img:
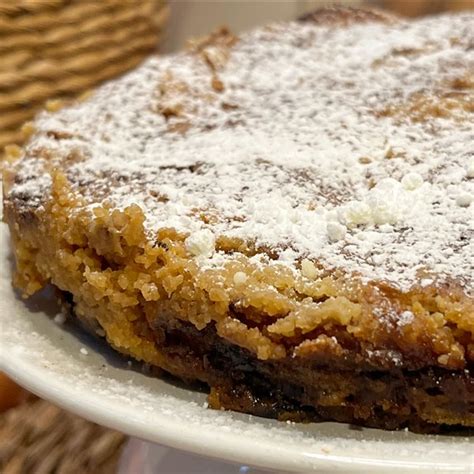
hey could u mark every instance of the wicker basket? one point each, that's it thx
(37, 437)
(58, 48)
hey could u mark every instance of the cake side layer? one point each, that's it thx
(430, 400)
(116, 274)
(315, 389)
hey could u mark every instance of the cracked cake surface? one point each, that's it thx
(286, 216)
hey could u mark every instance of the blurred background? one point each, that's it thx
(197, 18)
(51, 50)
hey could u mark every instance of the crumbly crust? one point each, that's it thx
(171, 279)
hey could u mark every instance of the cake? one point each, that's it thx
(285, 216)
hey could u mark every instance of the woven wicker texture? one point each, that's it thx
(57, 48)
(37, 437)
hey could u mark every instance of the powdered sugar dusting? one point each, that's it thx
(293, 152)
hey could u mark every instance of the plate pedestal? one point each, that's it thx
(149, 458)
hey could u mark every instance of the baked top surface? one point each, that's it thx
(350, 146)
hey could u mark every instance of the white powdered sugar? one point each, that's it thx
(412, 181)
(336, 231)
(388, 202)
(201, 243)
(406, 318)
(293, 153)
(464, 199)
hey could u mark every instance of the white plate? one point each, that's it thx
(47, 359)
